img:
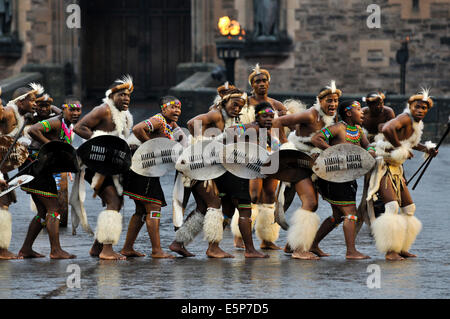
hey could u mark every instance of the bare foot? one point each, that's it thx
(7, 255)
(238, 242)
(255, 254)
(109, 254)
(180, 249)
(61, 254)
(356, 255)
(394, 256)
(161, 254)
(131, 253)
(407, 254)
(287, 249)
(217, 252)
(96, 249)
(269, 246)
(25, 254)
(317, 251)
(304, 255)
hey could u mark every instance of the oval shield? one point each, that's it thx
(17, 182)
(16, 158)
(245, 160)
(106, 155)
(202, 161)
(293, 165)
(156, 157)
(343, 163)
(57, 157)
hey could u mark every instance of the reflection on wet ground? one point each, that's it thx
(276, 277)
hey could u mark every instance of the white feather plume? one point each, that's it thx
(227, 85)
(333, 86)
(257, 69)
(426, 94)
(126, 79)
(37, 87)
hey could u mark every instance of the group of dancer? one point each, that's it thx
(248, 203)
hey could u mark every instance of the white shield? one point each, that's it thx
(202, 161)
(343, 163)
(156, 157)
(17, 182)
(245, 160)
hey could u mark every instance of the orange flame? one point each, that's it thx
(229, 27)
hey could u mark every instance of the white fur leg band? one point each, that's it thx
(266, 228)
(109, 227)
(213, 225)
(389, 229)
(413, 226)
(190, 228)
(303, 229)
(5, 229)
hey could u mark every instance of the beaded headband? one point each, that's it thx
(354, 104)
(72, 106)
(266, 111)
(177, 103)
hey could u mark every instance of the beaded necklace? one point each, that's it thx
(168, 130)
(353, 133)
(66, 132)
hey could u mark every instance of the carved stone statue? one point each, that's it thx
(266, 20)
(5, 17)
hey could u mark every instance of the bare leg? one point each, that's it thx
(136, 223)
(327, 226)
(34, 229)
(349, 234)
(245, 227)
(153, 232)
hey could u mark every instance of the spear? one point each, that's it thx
(430, 158)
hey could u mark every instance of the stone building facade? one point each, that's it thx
(330, 39)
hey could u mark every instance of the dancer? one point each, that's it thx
(110, 118)
(342, 196)
(305, 221)
(43, 188)
(395, 232)
(12, 120)
(146, 192)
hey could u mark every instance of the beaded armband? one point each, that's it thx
(46, 125)
(327, 134)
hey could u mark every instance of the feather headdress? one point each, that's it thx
(423, 95)
(36, 89)
(373, 96)
(45, 98)
(332, 89)
(126, 82)
(257, 71)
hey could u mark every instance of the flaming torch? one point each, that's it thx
(230, 44)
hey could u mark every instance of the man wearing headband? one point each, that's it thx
(342, 196)
(209, 215)
(262, 191)
(147, 192)
(110, 118)
(45, 109)
(305, 221)
(259, 81)
(375, 114)
(12, 119)
(396, 230)
(43, 188)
